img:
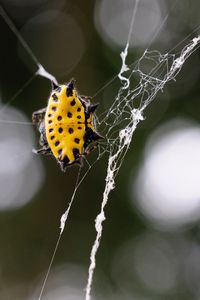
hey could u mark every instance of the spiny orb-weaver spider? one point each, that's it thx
(66, 125)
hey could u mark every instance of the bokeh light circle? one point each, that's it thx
(56, 39)
(21, 172)
(113, 19)
(168, 182)
(67, 282)
(146, 262)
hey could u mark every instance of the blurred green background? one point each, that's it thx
(150, 246)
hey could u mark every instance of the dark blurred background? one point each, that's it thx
(150, 246)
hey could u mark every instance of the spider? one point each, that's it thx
(66, 125)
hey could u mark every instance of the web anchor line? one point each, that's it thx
(40, 71)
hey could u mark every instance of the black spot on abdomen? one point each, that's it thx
(69, 114)
(70, 130)
(77, 141)
(73, 102)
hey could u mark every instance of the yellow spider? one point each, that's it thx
(66, 125)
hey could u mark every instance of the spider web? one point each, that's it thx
(138, 88)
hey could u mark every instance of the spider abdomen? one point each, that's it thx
(65, 125)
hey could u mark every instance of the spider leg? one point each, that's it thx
(89, 149)
(64, 164)
(86, 98)
(77, 157)
(43, 138)
(44, 150)
(38, 116)
(91, 137)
